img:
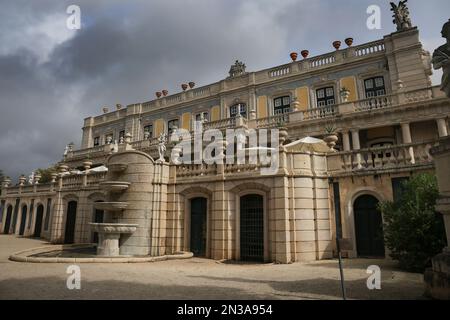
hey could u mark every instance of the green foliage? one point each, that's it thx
(413, 231)
(46, 174)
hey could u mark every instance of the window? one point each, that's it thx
(398, 187)
(282, 105)
(238, 108)
(205, 115)
(96, 141)
(148, 131)
(325, 97)
(374, 87)
(172, 125)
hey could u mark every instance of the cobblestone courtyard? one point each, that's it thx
(198, 279)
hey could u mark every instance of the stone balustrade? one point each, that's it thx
(313, 114)
(407, 156)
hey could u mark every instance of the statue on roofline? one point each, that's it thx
(401, 15)
(441, 59)
(237, 69)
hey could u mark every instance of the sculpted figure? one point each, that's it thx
(441, 59)
(401, 15)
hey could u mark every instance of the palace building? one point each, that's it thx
(374, 101)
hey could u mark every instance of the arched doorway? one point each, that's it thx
(69, 236)
(38, 224)
(198, 226)
(252, 227)
(8, 219)
(23, 219)
(368, 227)
(98, 218)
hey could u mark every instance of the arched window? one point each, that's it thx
(239, 108)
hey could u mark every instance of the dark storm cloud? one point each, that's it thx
(51, 78)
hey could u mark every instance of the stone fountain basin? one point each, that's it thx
(115, 186)
(117, 167)
(113, 227)
(110, 206)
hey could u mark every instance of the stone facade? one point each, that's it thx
(387, 122)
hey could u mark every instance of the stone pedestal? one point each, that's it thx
(437, 279)
(109, 236)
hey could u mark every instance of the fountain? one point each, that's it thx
(109, 233)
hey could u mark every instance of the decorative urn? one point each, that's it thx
(337, 44)
(191, 84)
(349, 42)
(331, 140)
(304, 53)
(294, 56)
(165, 93)
(158, 94)
(184, 86)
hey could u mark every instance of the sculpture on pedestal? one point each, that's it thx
(31, 178)
(441, 59)
(162, 146)
(237, 69)
(401, 15)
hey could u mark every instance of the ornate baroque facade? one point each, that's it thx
(377, 96)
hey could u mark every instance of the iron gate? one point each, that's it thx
(252, 227)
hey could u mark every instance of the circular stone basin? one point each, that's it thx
(115, 186)
(117, 167)
(110, 206)
(113, 227)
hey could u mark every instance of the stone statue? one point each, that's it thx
(237, 69)
(31, 178)
(66, 151)
(401, 15)
(162, 146)
(441, 59)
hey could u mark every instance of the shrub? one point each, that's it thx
(413, 231)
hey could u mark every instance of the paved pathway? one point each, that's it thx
(198, 279)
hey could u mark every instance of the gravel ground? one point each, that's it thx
(199, 279)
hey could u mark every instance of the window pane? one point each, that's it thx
(379, 82)
(321, 93)
(286, 101)
(369, 84)
(277, 102)
(330, 92)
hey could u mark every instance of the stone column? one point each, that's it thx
(346, 141)
(356, 146)
(442, 127)
(346, 145)
(87, 139)
(406, 136)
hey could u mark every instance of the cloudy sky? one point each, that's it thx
(51, 77)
